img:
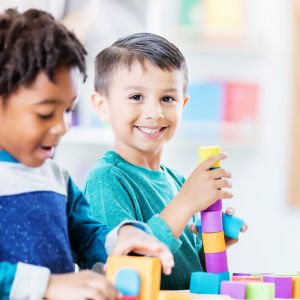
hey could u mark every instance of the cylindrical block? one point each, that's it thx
(213, 242)
(216, 262)
(206, 152)
(212, 221)
(216, 206)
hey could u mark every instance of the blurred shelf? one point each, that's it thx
(190, 134)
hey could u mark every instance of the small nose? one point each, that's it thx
(153, 110)
(62, 125)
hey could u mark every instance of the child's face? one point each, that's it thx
(143, 106)
(37, 116)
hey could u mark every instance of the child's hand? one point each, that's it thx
(132, 239)
(204, 187)
(80, 286)
(228, 241)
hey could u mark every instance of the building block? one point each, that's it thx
(207, 283)
(206, 152)
(246, 278)
(260, 290)
(211, 221)
(213, 242)
(241, 274)
(148, 268)
(129, 298)
(232, 225)
(173, 295)
(216, 262)
(216, 206)
(128, 282)
(283, 285)
(236, 290)
(296, 287)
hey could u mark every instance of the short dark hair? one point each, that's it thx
(33, 41)
(137, 47)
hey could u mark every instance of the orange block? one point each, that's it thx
(213, 242)
(173, 295)
(247, 278)
(296, 287)
(148, 268)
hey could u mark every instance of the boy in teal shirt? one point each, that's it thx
(45, 221)
(140, 89)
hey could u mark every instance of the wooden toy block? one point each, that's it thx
(213, 242)
(232, 225)
(246, 278)
(260, 290)
(128, 282)
(283, 285)
(207, 283)
(211, 221)
(206, 152)
(236, 290)
(216, 262)
(296, 287)
(173, 295)
(148, 268)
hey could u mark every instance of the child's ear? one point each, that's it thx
(185, 101)
(100, 104)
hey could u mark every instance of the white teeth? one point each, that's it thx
(148, 130)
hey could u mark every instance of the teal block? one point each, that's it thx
(207, 283)
(128, 282)
(232, 226)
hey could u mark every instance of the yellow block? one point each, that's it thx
(148, 268)
(206, 152)
(296, 287)
(213, 242)
(173, 295)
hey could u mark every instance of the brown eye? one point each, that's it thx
(168, 99)
(136, 97)
(45, 116)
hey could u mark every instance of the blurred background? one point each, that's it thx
(243, 60)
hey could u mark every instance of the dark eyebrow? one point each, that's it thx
(54, 101)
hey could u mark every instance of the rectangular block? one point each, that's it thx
(260, 290)
(207, 283)
(246, 278)
(296, 287)
(213, 242)
(216, 206)
(216, 262)
(148, 268)
(206, 152)
(211, 221)
(283, 285)
(232, 225)
(236, 290)
(173, 295)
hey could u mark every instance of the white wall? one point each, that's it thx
(260, 173)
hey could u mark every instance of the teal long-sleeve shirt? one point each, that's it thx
(118, 190)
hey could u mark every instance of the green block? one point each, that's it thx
(260, 290)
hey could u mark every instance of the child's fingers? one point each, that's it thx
(208, 163)
(219, 173)
(223, 195)
(244, 227)
(193, 229)
(222, 183)
(230, 211)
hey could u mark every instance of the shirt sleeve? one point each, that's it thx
(111, 202)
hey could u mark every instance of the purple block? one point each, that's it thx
(216, 206)
(241, 274)
(236, 290)
(216, 262)
(283, 285)
(211, 221)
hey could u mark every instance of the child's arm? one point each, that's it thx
(90, 240)
(201, 189)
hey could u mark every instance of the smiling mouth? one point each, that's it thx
(153, 130)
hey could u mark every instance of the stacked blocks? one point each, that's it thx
(212, 226)
(148, 269)
(283, 285)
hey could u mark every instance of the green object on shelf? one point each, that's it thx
(187, 16)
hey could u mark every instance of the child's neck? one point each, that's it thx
(148, 160)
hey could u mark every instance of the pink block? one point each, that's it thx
(211, 221)
(283, 285)
(216, 206)
(236, 290)
(216, 262)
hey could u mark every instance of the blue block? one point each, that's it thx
(206, 102)
(128, 282)
(232, 226)
(199, 227)
(207, 283)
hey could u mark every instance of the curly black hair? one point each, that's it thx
(33, 41)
